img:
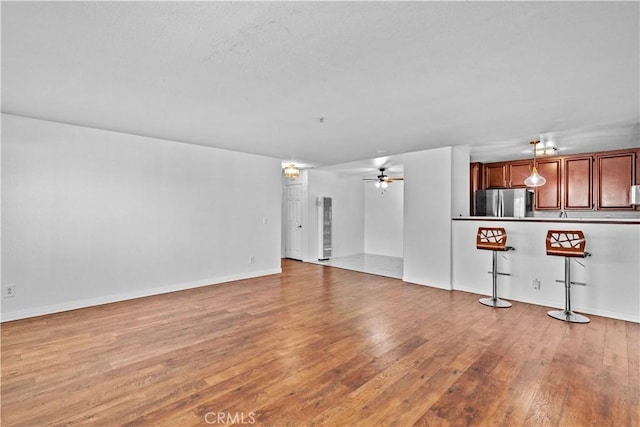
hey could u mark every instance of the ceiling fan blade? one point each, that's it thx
(395, 179)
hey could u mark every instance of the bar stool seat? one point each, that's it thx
(494, 239)
(568, 244)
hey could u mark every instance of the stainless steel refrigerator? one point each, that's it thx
(516, 202)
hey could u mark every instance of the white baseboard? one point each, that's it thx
(558, 305)
(107, 299)
(416, 281)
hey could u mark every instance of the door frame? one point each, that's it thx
(300, 180)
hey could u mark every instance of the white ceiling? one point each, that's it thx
(331, 83)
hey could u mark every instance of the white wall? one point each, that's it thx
(383, 219)
(460, 182)
(430, 200)
(90, 216)
(348, 213)
(612, 273)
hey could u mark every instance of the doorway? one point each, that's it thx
(293, 222)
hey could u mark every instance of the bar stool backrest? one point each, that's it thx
(491, 238)
(566, 243)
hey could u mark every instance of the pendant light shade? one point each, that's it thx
(535, 179)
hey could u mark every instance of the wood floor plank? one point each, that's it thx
(322, 346)
(633, 349)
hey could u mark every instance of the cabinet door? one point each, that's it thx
(548, 196)
(495, 175)
(518, 172)
(475, 183)
(578, 183)
(615, 175)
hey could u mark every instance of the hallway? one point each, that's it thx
(368, 263)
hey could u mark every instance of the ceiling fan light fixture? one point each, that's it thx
(535, 179)
(382, 181)
(291, 171)
(381, 184)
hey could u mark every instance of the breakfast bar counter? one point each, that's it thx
(611, 274)
(578, 220)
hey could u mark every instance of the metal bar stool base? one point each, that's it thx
(495, 302)
(568, 316)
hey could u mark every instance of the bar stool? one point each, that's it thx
(569, 244)
(494, 239)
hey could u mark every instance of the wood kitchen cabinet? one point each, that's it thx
(578, 183)
(589, 181)
(495, 175)
(616, 173)
(518, 172)
(548, 197)
(507, 174)
(475, 183)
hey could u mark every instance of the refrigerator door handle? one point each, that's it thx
(494, 205)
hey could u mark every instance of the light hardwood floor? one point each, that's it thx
(318, 346)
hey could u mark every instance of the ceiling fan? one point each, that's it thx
(382, 180)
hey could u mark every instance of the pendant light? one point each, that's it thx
(535, 179)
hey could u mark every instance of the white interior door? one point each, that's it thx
(293, 244)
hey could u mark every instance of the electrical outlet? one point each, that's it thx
(536, 284)
(252, 259)
(9, 291)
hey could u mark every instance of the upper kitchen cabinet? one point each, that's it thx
(590, 181)
(495, 175)
(518, 172)
(578, 183)
(506, 174)
(615, 174)
(548, 197)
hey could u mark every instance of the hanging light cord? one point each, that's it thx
(535, 179)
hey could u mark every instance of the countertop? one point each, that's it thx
(551, 220)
